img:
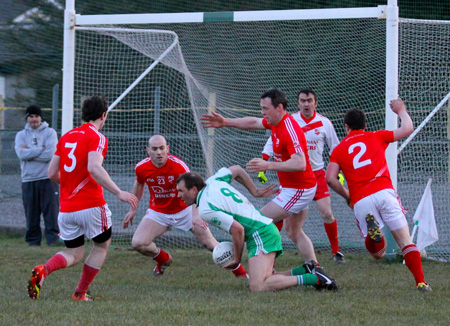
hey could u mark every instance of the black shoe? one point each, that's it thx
(373, 228)
(325, 282)
(309, 266)
(424, 287)
(338, 258)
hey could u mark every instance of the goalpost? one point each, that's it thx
(162, 71)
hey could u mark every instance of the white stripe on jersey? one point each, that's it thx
(145, 160)
(101, 144)
(293, 134)
(177, 160)
(79, 187)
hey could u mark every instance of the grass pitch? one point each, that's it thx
(194, 291)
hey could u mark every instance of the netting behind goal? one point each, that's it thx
(226, 66)
(424, 71)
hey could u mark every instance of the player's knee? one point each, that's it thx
(378, 255)
(293, 233)
(257, 287)
(138, 245)
(327, 216)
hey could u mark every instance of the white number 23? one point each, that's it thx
(357, 163)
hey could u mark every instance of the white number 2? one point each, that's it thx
(71, 156)
(356, 160)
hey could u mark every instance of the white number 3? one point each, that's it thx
(71, 156)
(356, 160)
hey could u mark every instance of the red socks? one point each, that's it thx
(161, 257)
(87, 277)
(279, 225)
(58, 261)
(412, 260)
(239, 271)
(332, 232)
(377, 250)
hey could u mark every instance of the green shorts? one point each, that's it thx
(266, 239)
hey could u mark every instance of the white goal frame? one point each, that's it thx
(389, 13)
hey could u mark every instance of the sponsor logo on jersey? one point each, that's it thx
(216, 221)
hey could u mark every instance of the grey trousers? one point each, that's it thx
(41, 196)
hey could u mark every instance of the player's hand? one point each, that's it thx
(262, 177)
(197, 221)
(213, 120)
(257, 165)
(341, 178)
(266, 191)
(128, 198)
(397, 105)
(349, 203)
(128, 220)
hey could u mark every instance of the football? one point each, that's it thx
(223, 253)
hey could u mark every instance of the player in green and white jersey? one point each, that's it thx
(221, 204)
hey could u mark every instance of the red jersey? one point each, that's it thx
(361, 157)
(78, 189)
(288, 139)
(162, 183)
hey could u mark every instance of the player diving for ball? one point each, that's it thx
(221, 204)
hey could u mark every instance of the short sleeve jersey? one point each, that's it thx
(78, 190)
(219, 203)
(318, 131)
(288, 139)
(162, 183)
(361, 157)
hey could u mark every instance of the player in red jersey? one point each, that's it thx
(318, 131)
(291, 161)
(160, 171)
(77, 167)
(361, 157)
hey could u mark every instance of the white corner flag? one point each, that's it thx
(424, 220)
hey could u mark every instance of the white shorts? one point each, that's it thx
(181, 220)
(90, 222)
(386, 208)
(294, 200)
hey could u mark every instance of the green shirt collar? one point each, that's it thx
(197, 201)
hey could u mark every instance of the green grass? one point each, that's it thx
(194, 291)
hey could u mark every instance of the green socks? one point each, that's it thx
(307, 279)
(299, 270)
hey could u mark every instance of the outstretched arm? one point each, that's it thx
(95, 168)
(138, 191)
(406, 124)
(297, 162)
(216, 120)
(243, 178)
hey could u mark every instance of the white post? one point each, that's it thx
(391, 82)
(68, 67)
(391, 93)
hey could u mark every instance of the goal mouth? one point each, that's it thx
(225, 65)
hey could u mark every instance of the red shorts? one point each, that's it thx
(322, 186)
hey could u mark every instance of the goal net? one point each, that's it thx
(225, 66)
